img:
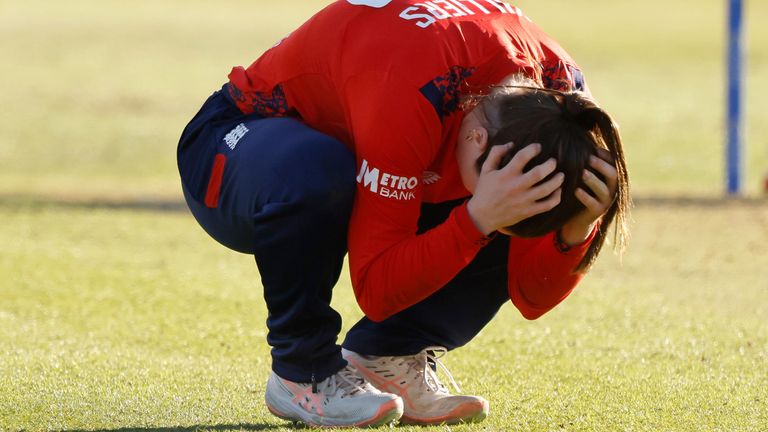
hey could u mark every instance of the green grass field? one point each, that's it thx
(119, 316)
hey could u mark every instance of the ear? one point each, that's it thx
(479, 138)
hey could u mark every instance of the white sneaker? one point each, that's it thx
(426, 399)
(342, 400)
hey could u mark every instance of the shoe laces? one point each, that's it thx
(422, 362)
(348, 380)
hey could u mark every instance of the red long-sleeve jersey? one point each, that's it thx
(387, 79)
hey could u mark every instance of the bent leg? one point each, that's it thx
(301, 229)
(284, 195)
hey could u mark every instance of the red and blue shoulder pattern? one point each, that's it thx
(562, 76)
(445, 92)
(265, 104)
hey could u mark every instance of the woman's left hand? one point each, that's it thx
(578, 229)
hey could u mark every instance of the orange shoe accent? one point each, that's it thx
(393, 407)
(383, 384)
(389, 412)
(467, 413)
(279, 414)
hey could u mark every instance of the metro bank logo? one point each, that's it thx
(385, 184)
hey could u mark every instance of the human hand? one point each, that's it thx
(504, 197)
(578, 229)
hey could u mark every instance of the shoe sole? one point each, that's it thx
(387, 413)
(462, 414)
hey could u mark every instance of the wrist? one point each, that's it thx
(479, 219)
(573, 234)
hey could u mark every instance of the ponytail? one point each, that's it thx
(607, 133)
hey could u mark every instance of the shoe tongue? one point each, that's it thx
(351, 375)
(429, 365)
(434, 382)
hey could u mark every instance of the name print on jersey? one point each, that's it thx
(429, 12)
(371, 3)
(387, 185)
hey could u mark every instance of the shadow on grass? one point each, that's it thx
(99, 203)
(169, 205)
(195, 428)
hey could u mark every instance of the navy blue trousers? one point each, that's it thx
(283, 192)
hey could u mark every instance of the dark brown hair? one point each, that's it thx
(570, 128)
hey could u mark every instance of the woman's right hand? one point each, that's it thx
(506, 196)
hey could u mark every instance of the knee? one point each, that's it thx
(300, 166)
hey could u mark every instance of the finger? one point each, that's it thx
(522, 158)
(608, 170)
(539, 172)
(495, 155)
(590, 202)
(547, 204)
(597, 186)
(545, 189)
(605, 155)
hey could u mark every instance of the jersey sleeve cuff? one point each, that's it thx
(468, 228)
(577, 249)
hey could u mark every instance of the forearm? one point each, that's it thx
(414, 267)
(544, 276)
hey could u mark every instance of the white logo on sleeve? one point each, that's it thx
(235, 135)
(371, 3)
(387, 185)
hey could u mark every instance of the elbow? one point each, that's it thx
(373, 311)
(373, 306)
(528, 309)
(531, 314)
(375, 316)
